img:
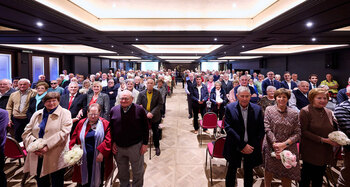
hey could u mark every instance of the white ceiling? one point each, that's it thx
(289, 49)
(178, 48)
(61, 48)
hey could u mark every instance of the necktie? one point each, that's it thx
(271, 83)
(70, 101)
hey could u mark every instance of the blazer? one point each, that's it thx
(234, 126)
(78, 103)
(32, 105)
(105, 148)
(112, 93)
(227, 87)
(284, 84)
(195, 94)
(222, 96)
(5, 98)
(156, 104)
(310, 86)
(103, 101)
(56, 137)
(140, 87)
(265, 83)
(252, 91)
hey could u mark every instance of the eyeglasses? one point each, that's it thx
(54, 83)
(92, 115)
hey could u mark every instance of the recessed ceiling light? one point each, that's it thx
(309, 24)
(313, 39)
(136, 39)
(215, 39)
(39, 24)
(112, 46)
(40, 39)
(132, 51)
(243, 46)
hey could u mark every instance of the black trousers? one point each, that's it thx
(155, 130)
(219, 111)
(19, 125)
(201, 109)
(232, 171)
(56, 179)
(312, 174)
(3, 180)
(189, 103)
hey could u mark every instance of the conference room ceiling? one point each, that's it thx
(147, 28)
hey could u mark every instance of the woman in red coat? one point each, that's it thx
(93, 134)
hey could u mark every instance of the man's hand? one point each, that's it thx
(149, 115)
(10, 124)
(99, 157)
(114, 149)
(247, 149)
(143, 149)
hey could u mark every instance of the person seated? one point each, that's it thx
(218, 100)
(287, 83)
(332, 85)
(299, 98)
(342, 96)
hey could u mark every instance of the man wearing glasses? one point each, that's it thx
(55, 87)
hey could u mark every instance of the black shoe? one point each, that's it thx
(189, 116)
(157, 151)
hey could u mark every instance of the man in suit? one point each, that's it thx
(270, 81)
(226, 84)
(75, 103)
(199, 96)
(111, 91)
(5, 92)
(287, 83)
(313, 81)
(151, 100)
(244, 125)
(138, 85)
(298, 98)
(42, 78)
(243, 81)
(188, 88)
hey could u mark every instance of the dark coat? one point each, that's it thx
(265, 83)
(284, 84)
(112, 93)
(252, 91)
(140, 87)
(31, 109)
(156, 104)
(234, 126)
(78, 103)
(213, 97)
(227, 87)
(5, 98)
(103, 101)
(195, 94)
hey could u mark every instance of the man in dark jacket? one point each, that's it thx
(298, 97)
(151, 100)
(270, 81)
(199, 96)
(244, 125)
(188, 88)
(287, 83)
(111, 91)
(5, 92)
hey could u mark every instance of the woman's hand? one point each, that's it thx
(42, 151)
(330, 142)
(279, 147)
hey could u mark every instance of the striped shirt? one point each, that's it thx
(342, 113)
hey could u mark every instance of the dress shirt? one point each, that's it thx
(23, 100)
(289, 85)
(104, 83)
(186, 88)
(199, 92)
(218, 98)
(244, 112)
(70, 95)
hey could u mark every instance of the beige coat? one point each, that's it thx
(56, 136)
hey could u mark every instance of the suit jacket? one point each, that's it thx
(31, 107)
(310, 86)
(5, 98)
(195, 94)
(103, 101)
(140, 87)
(156, 104)
(227, 87)
(222, 96)
(265, 83)
(284, 84)
(78, 103)
(252, 91)
(234, 126)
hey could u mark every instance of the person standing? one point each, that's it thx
(111, 91)
(151, 100)
(226, 84)
(99, 98)
(287, 83)
(270, 81)
(244, 125)
(5, 92)
(17, 107)
(313, 81)
(299, 97)
(4, 120)
(129, 132)
(188, 88)
(35, 103)
(199, 96)
(55, 87)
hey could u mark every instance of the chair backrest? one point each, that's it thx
(210, 120)
(219, 147)
(12, 148)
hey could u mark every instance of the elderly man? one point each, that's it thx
(188, 88)
(226, 84)
(342, 113)
(298, 98)
(243, 81)
(42, 78)
(199, 96)
(138, 85)
(270, 81)
(5, 92)
(75, 103)
(104, 80)
(244, 125)
(129, 130)
(151, 100)
(111, 91)
(17, 107)
(74, 79)
(55, 87)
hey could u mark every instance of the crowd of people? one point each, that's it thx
(109, 115)
(265, 115)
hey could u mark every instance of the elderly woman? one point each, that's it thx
(218, 100)
(36, 103)
(316, 148)
(94, 136)
(231, 96)
(332, 102)
(99, 98)
(86, 88)
(210, 83)
(282, 129)
(53, 124)
(269, 99)
(130, 87)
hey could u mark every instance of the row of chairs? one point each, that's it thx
(210, 121)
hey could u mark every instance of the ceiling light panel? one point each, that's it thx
(178, 48)
(121, 57)
(289, 49)
(60, 48)
(238, 57)
(179, 57)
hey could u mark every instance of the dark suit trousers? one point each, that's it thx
(3, 181)
(155, 130)
(312, 174)
(57, 177)
(219, 112)
(232, 171)
(19, 125)
(198, 108)
(189, 102)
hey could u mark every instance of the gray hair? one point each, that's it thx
(127, 92)
(71, 84)
(129, 80)
(243, 89)
(6, 80)
(217, 82)
(271, 87)
(302, 82)
(121, 79)
(323, 86)
(25, 80)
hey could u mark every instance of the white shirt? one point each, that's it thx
(218, 98)
(104, 83)
(199, 92)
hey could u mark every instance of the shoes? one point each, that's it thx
(189, 116)
(157, 151)
(206, 131)
(195, 132)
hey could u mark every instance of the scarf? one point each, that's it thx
(38, 99)
(96, 166)
(43, 122)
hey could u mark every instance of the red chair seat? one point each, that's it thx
(220, 124)
(210, 148)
